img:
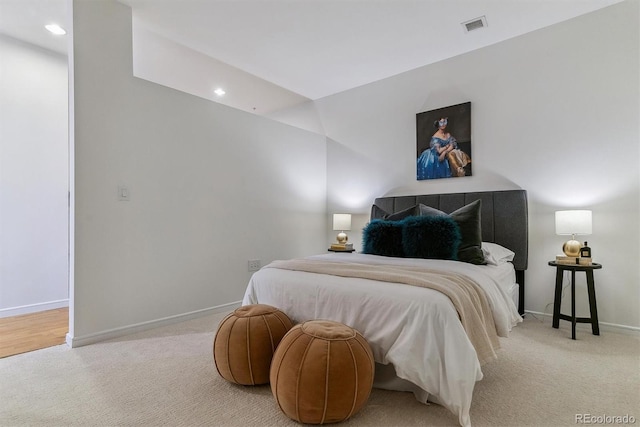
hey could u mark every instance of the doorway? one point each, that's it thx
(34, 187)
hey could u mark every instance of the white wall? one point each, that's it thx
(33, 178)
(211, 187)
(555, 112)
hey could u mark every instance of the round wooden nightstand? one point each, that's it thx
(593, 309)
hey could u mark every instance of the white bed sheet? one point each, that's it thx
(505, 276)
(417, 330)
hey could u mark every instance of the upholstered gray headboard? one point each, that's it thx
(503, 216)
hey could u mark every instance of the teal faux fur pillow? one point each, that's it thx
(433, 237)
(383, 237)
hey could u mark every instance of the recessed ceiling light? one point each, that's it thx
(219, 91)
(56, 29)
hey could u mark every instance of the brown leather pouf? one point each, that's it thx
(245, 342)
(322, 372)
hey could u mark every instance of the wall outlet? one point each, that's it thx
(253, 264)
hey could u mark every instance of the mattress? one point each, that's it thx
(416, 331)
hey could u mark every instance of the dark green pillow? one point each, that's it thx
(377, 212)
(382, 237)
(415, 210)
(468, 219)
(433, 237)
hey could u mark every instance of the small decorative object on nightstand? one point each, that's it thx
(336, 247)
(593, 309)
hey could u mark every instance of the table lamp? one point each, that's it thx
(342, 223)
(573, 222)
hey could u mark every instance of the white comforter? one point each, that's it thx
(417, 330)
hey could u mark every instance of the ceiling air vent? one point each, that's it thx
(475, 24)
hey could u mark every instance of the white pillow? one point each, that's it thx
(495, 254)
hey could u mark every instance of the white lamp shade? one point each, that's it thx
(573, 222)
(342, 222)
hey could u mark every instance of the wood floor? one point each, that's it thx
(28, 332)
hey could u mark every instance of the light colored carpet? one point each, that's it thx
(166, 377)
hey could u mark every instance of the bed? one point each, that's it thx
(416, 333)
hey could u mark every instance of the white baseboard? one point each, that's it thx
(604, 326)
(33, 308)
(79, 341)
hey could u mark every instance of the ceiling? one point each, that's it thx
(315, 48)
(25, 20)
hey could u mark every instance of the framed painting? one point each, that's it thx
(443, 146)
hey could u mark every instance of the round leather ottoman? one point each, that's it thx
(322, 372)
(245, 342)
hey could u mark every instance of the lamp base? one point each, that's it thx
(572, 248)
(342, 238)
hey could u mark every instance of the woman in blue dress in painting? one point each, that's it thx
(433, 162)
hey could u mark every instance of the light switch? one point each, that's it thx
(124, 195)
